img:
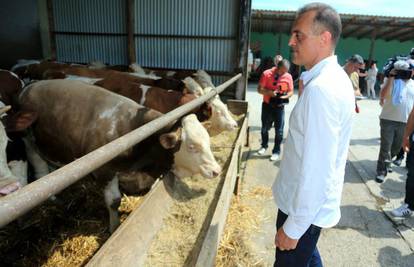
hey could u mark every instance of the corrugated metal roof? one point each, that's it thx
(354, 25)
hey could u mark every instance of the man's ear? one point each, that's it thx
(326, 38)
(170, 140)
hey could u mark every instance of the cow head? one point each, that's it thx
(220, 116)
(193, 154)
(191, 86)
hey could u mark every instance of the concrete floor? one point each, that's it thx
(365, 236)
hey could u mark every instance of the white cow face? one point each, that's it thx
(221, 119)
(8, 182)
(194, 155)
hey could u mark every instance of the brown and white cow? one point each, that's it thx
(75, 118)
(164, 101)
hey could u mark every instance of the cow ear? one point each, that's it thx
(208, 111)
(20, 121)
(170, 140)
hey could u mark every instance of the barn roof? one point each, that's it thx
(358, 26)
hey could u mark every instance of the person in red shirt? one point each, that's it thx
(276, 86)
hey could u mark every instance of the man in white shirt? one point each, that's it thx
(308, 188)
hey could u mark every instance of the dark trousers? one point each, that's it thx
(272, 116)
(409, 184)
(391, 140)
(306, 253)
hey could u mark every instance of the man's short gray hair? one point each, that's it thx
(325, 17)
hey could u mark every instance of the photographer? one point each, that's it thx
(276, 86)
(396, 99)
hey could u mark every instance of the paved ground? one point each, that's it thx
(365, 236)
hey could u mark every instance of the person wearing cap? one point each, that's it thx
(397, 100)
(351, 67)
(276, 86)
(308, 187)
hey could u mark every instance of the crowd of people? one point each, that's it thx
(308, 187)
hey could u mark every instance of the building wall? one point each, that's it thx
(346, 47)
(19, 32)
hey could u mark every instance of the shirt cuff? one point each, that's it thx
(294, 229)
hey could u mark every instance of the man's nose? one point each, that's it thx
(292, 41)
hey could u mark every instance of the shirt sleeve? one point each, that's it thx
(355, 80)
(318, 166)
(263, 79)
(290, 83)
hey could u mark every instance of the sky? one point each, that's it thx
(394, 8)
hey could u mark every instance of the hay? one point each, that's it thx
(178, 242)
(63, 233)
(243, 220)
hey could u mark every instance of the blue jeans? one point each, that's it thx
(272, 116)
(306, 253)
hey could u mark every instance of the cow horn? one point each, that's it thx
(4, 109)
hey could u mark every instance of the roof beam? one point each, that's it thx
(348, 23)
(408, 37)
(409, 24)
(392, 31)
(371, 30)
(365, 33)
(353, 32)
(398, 33)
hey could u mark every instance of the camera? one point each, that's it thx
(403, 66)
(403, 74)
(276, 101)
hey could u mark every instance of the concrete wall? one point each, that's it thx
(346, 47)
(19, 32)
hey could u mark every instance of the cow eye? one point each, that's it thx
(193, 148)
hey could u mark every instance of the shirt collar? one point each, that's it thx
(316, 70)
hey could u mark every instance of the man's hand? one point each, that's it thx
(406, 144)
(283, 242)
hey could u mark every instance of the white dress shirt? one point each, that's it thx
(309, 184)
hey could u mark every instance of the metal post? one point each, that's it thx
(18, 203)
(130, 15)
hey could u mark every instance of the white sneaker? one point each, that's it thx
(402, 211)
(380, 178)
(261, 151)
(274, 157)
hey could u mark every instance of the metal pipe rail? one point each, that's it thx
(18, 203)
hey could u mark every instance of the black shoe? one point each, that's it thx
(397, 162)
(379, 179)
